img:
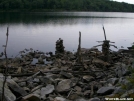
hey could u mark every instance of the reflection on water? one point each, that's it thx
(41, 30)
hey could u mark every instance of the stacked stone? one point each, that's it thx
(105, 49)
(59, 46)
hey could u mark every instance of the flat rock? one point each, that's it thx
(9, 96)
(77, 88)
(64, 85)
(16, 88)
(47, 90)
(88, 78)
(105, 90)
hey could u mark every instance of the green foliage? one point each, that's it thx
(70, 5)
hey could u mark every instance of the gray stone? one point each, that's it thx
(59, 99)
(31, 97)
(80, 99)
(121, 69)
(47, 90)
(26, 89)
(43, 56)
(37, 90)
(94, 99)
(88, 78)
(77, 88)
(64, 85)
(46, 80)
(105, 90)
(67, 75)
(87, 92)
(63, 62)
(37, 55)
(16, 88)
(9, 96)
(128, 93)
(113, 81)
(40, 61)
(36, 80)
(119, 90)
(22, 84)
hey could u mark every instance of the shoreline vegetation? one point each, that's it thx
(64, 5)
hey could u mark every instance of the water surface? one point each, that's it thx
(41, 30)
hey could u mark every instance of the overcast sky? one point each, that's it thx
(128, 1)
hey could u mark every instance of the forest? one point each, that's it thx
(66, 5)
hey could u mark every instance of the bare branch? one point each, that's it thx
(5, 77)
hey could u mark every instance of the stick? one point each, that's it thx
(104, 33)
(3, 90)
(30, 77)
(70, 92)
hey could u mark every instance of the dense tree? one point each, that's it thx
(70, 5)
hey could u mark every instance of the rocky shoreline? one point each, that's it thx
(63, 77)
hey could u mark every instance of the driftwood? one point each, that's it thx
(30, 77)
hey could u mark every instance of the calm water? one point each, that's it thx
(41, 30)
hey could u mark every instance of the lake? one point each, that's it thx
(41, 30)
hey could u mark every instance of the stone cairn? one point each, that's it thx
(105, 47)
(59, 46)
(79, 63)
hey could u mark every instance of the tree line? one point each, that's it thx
(67, 5)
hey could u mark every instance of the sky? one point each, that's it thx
(127, 1)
